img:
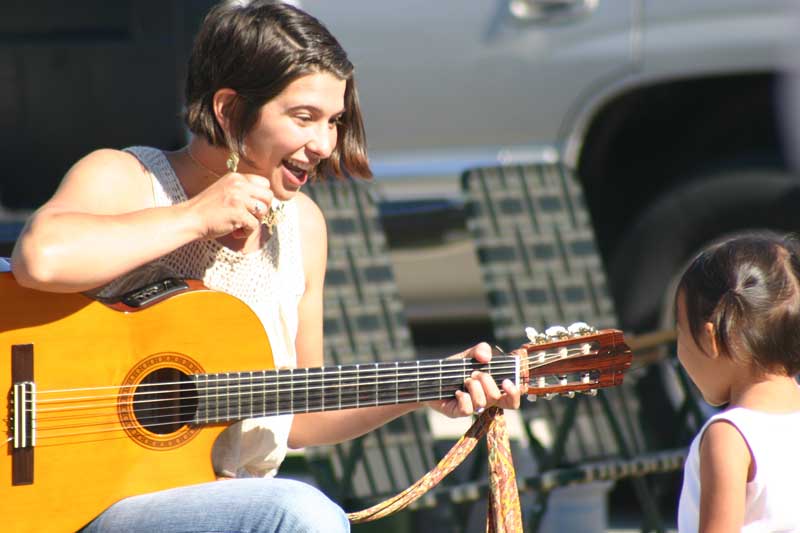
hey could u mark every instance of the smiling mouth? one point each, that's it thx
(298, 170)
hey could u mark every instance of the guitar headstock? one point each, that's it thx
(563, 361)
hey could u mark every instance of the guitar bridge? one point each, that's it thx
(24, 419)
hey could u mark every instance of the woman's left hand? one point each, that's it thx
(480, 390)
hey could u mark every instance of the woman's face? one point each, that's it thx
(295, 131)
(708, 372)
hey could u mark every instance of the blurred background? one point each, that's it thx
(672, 122)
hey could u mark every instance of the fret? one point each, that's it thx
(406, 381)
(226, 396)
(270, 400)
(348, 392)
(376, 384)
(441, 389)
(287, 405)
(314, 390)
(278, 392)
(291, 390)
(262, 392)
(396, 383)
(323, 388)
(417, 380)
(212, 387)
(358, 383)
(306, 391)
(367, 385)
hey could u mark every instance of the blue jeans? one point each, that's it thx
(251, 505)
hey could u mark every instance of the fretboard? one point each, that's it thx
(230, 396)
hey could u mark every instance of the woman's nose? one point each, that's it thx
(323, 141)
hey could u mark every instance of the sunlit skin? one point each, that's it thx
(726, 465)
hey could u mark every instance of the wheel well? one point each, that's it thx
(648, 140)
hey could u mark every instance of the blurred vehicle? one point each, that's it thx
(664, 109)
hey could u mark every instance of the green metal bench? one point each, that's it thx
(364, 322)
(540, 266)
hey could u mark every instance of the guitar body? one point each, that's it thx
(84, 459)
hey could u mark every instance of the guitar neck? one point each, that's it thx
(230, 396)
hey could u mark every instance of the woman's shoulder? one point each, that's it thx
(311, 216)
(313, 235)
(108, 180)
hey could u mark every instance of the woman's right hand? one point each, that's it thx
(234, 205)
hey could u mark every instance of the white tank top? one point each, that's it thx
(270, 280)
(772, 503)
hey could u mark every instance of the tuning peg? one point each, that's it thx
(531, 397)
(550, 395)
(590, 392)
(534, 336)
(580, 328)
(570, 394)
(556, 332)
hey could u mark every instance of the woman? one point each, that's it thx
(271, 101)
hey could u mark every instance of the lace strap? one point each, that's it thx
(504, 514)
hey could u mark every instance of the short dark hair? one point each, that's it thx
(748, 287)
(257, 49)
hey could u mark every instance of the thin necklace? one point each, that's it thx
(201, 165)
(274, 214)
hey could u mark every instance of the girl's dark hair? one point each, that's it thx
(257, 48)
(748, 287)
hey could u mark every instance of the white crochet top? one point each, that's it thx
(270, 280)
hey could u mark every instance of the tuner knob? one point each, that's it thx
(556, 332)
(531, 397)
(570, 394)
(534, 336)
(580, 328)
(550, 395)
(590, 392)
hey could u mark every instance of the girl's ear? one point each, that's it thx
(710, 340)
(222, 104)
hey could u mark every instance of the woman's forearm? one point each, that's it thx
(331, 427)
(71, 252)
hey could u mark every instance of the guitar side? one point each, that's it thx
(83, 459)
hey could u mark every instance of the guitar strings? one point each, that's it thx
(245, 410)
(422, 391)
(301, 381)
(447, 364)
(308, 386)
(184, 423)
(180, 423)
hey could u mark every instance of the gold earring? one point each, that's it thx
(233, 162)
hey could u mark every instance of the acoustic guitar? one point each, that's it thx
(107, 400)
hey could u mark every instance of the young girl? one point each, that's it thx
(271, 101)
(738, 316)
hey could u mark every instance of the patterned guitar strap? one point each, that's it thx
(504, 514)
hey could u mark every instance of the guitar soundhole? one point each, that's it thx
(165, 400)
